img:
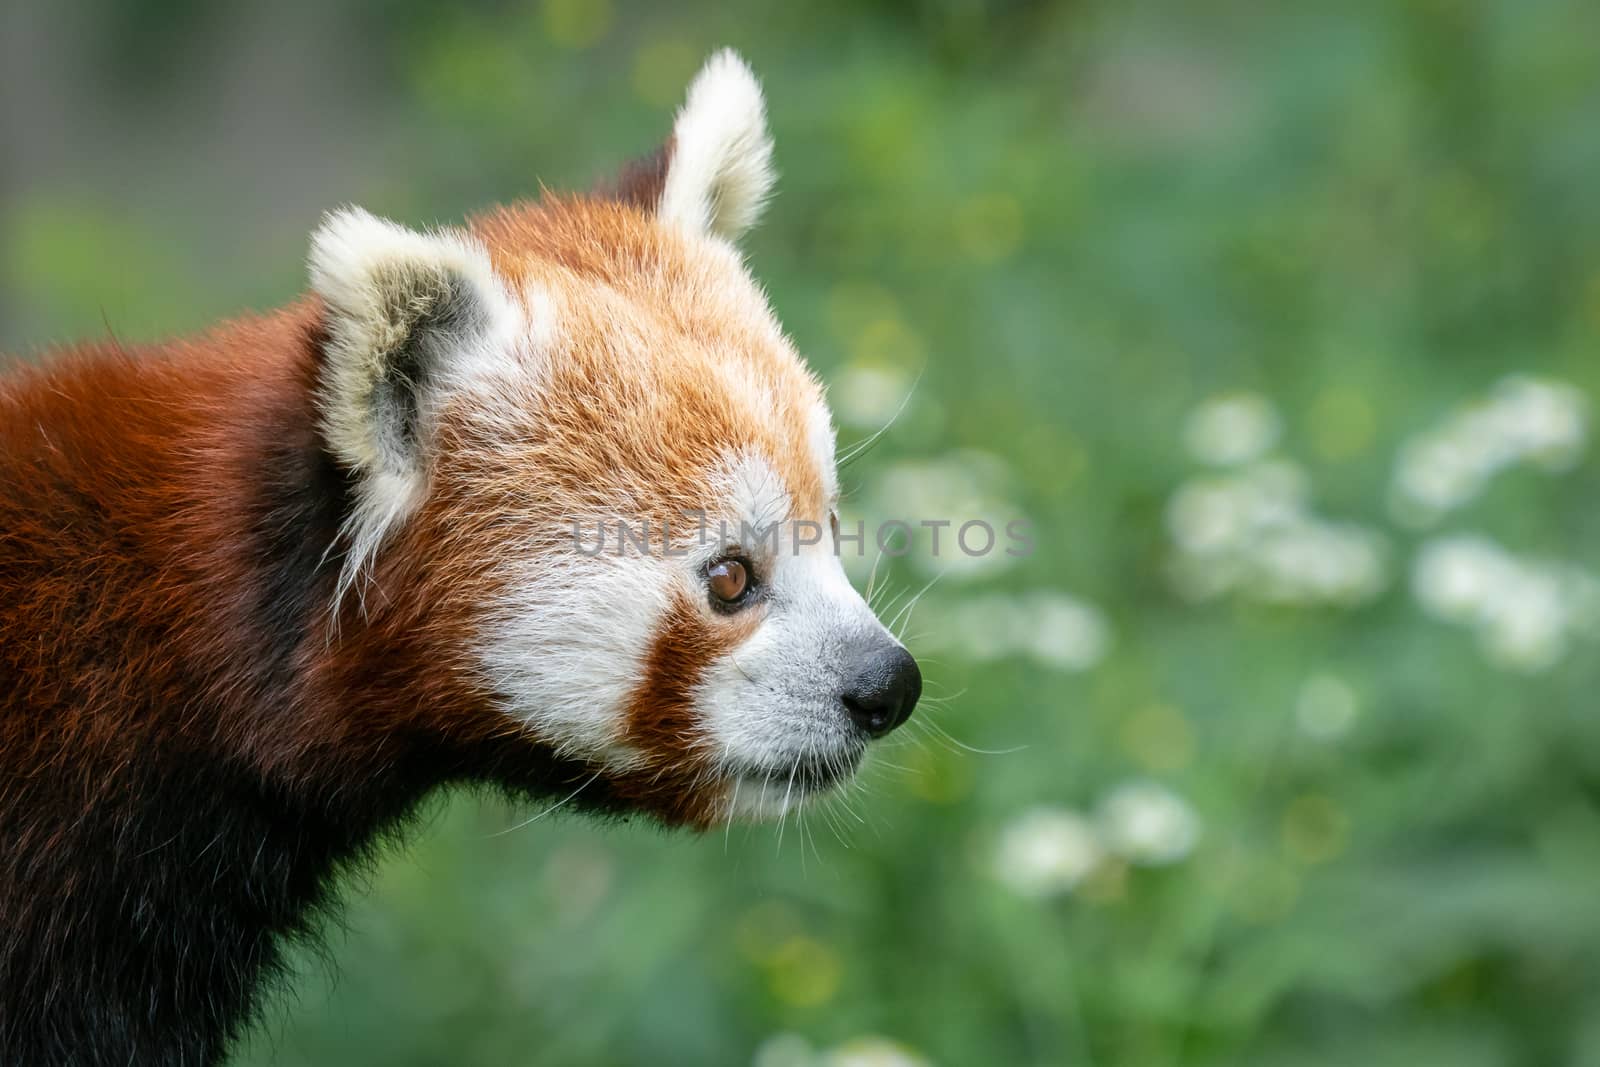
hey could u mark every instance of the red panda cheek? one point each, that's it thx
(661, 720)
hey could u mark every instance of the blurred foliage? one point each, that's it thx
(1284, 821)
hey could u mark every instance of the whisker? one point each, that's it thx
(906, 611)
(783, 817)
(859, 448)
(733, 804)
(939, 732)
(547, 811)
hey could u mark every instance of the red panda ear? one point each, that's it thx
(715, 173)
(406, 314)
(639, 185)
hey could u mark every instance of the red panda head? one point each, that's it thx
(624, 470)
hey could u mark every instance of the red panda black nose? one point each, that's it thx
(883, 689)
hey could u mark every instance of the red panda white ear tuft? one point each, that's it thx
(407, 314)
(719, 172)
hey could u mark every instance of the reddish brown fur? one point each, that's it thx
(187, 748)
(661, 717)
(641, 181)
(192, 743)
(161, 445)
(633, 281)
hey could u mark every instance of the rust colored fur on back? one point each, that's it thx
(182, 764)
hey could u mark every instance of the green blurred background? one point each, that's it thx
(1278, 321)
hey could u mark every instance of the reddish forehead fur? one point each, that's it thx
(666, 359)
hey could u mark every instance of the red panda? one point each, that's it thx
(263, 589)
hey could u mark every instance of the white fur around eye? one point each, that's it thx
(754, 495)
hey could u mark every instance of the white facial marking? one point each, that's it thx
(756, 498)
(566, 646)
(771, 706)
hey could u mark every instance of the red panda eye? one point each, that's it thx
(728, 579)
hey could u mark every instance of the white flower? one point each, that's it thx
(1046, 852)
(1208, 517)
(1525, 611)
(1232, 429)
(1053, 628)
(1310, 560)
(785, 1050)
(1067, 633)
(1252, 532)
(1526, 628)
(1326, 707)
(1523, 420)
(872, 1051)
(1548, 422)
(1222, 514)
(961, 488)
(1148, 824)
(1454, 578)
(1436, 475)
